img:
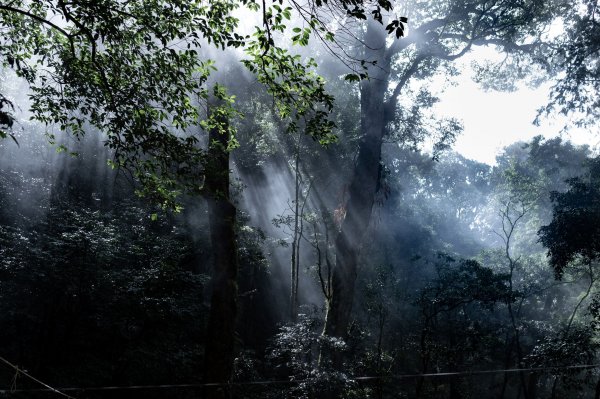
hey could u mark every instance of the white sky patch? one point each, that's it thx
(493, 120)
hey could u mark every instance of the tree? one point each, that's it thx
(135, 71)
(82, 74)
(219, 351)
(444, 33)
(574, 230)
(460, 286)
(574, 59)
(94, 296)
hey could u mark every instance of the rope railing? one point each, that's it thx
(19, 371)
(61, 391)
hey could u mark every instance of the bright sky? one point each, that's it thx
(493, 120)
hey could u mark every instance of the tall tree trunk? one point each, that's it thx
(295, 261)
(219, 348)
(532, 385)
(361, 192)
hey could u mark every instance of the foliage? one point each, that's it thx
(574, 229)
(139, 72)
(415, 123)
(88, 294)
(463, 282)
(296, 352)
(573, 347)
(95, 291)
(118, 291)
(574, 58)
(6, 118)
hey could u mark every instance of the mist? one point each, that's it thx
(299, 200)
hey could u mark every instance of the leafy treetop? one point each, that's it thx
(136, 71)
(574, 231)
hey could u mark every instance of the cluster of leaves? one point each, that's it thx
(459, 326)
(530, 171)
(6, 118)
(132, 70)
(574, 229)
(576, 56)
(356, 9)
(89, 296)
(136, 72)
(298, 91)
(415, 123)
(463, 282)
(295, 352)
(575, 346)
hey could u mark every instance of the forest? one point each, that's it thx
(262, 199)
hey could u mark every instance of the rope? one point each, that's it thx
(18, 371)
(281, 382)
(478, 372)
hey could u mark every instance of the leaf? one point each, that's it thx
(4, 135)
(399, 32)
(391, 26)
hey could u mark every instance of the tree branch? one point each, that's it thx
(390, 104)
(38, 19)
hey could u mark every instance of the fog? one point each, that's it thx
(335, 207)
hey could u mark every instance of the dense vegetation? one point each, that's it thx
(271, 224)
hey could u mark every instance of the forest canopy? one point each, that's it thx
(283, 213)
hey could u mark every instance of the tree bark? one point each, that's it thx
(362, 189)
(295, 261)
(219, 348)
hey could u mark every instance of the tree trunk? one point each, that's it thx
(295, 261)
(361, 193)
(219, 348)
(532, 385)
(597, 392)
